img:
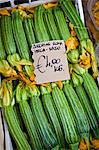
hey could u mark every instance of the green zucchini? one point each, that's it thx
(78, 111)
(8, 102)
(51, 115)
(88, 110)
(90, 87)
(15, 129)
(47, 134)
(2, 50)
(75, 19)
(50, 22)
(40, 28)
(27, 24)
(61, 24)
(7, 35)
(68, 123)
(26, 113)
(19, 35)
(92, 91)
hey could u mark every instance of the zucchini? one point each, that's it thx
(78, 111)
(51, 115)
(7, 35)
(90, 88)
(8, 102)
(40, 27)
(19, 118)
(75, 19)
(68, 123)
(92, 91)
(61, 24)
(88, 110)
(26, 113)
(2, 50)
(27, 24)
(50, 22)
(47, 134)
(56, 148)
(15, 129)
(19, 35)
(20, 39)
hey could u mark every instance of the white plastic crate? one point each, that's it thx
(12, 3)
(5, 141)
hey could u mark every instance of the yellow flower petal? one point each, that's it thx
(50, 5)
(71, 43)
(85, 60)
(4, 12)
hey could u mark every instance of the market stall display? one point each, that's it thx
(62, 114)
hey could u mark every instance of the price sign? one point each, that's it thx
(50, 61)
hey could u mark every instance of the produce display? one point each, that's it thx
(59, 115)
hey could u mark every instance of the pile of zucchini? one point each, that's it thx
(59, 115)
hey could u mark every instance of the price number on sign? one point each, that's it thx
(54, 63)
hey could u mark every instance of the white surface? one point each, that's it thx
(78, 4)
(1, 133)
(2, 1)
